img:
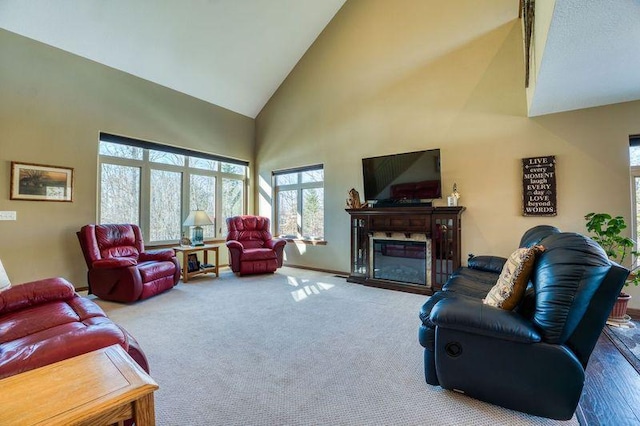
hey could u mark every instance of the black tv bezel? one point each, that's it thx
(390, 202)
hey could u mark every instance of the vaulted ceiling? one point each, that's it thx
(232, 53)
(236, 53)
(591, 55)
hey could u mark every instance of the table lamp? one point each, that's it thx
(197, 219)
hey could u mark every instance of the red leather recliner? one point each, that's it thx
(252, 249)
(119, 268)
(45, 321)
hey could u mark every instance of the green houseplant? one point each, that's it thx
(607, 231)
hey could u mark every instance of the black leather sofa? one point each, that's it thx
(531, 359)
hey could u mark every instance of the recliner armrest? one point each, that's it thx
(473, 316)
(157, 255)
(275, 242)
(487, 263)
(233, 244)
(121, 262)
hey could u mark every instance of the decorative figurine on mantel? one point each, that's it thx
(452, 200)
(353, 202)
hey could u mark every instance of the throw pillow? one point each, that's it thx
(509, 289)
(5, 284)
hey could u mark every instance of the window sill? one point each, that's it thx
(306, 242)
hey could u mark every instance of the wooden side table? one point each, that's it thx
(98, 388)
(186, 250)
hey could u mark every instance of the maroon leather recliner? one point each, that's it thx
(252, 249)
(119, 268)
(45, 321)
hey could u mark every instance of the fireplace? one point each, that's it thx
(400, 257)
(400, 233)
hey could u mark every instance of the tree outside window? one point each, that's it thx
(119, 194)
(156, 187)
(299, 209)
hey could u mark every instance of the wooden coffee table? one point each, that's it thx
(98, 388)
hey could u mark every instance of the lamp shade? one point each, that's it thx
(197, 218)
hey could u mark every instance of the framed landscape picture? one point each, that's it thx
(39, 182)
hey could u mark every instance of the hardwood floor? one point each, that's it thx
(611, 394)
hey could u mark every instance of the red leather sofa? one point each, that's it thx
(252, 249)
(46, 321)
(120, 269)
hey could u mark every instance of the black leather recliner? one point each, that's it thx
(531, 359)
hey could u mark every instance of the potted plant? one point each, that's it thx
(606, 231)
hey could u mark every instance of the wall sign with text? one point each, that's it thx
(539, 186)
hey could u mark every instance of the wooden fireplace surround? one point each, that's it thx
(441, 225)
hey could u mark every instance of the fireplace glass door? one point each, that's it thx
(402, 261)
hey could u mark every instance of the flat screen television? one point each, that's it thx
(407, 178)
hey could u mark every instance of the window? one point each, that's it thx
(165, 205)
(156, 186)
(299, 207)
(634, 156)
(203, 197)
(120, 199)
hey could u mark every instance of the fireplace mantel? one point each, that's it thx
(439, 225)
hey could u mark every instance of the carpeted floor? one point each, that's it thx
(293, 348)
(627, 340)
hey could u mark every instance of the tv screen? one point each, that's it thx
(411, 177)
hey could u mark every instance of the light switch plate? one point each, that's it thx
(7, 215)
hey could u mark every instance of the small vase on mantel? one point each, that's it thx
(452, 200)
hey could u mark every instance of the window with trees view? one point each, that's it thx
(634, 156)
(299, 207)
(156, 187)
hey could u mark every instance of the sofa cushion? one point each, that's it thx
(116, 240)
(248, 228)
(257, 254)
(511, 284)
(43, 333)
(487, 263)
(154, 270)
(471, 282)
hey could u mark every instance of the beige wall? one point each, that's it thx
(52, 107)
(387, 77)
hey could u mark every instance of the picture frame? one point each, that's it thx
(41, 182)
(193, 264)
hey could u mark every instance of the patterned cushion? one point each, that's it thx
(512, 283)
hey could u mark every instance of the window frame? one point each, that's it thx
(186, 171)
(299, 187)
(634, 173)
